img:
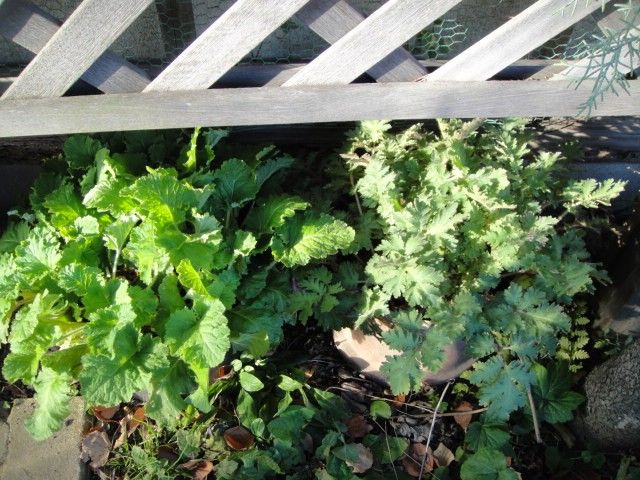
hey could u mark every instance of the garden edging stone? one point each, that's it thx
(57, 457)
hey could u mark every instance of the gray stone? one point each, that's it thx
(611, 419)
(4, 440)
(55, 458)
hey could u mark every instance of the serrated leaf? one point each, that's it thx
(168, 385)
(555, 402)
(117, 234)
(487, 464)
(53, 391)
(272, 213)
(269, 168)
(235, 183)
(403, 373)
(288, 426)
(199, 336)
(310, 237)
(80, 150)
(13, 235)
(108, 381)
(485, 434)
(380, 409)
(190, 278)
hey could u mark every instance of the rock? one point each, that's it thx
(56, 457)
(4, 440)
(368, 353)
(611, 419)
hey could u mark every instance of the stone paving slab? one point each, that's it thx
(57, 458)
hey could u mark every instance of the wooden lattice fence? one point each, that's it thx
(328, 88)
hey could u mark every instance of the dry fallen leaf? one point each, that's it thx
(134, 420)
(357, 426)
(399, 400)
(463, 420)
(239, 438)
(443, 456)
(412, 460)
(122, 434)
(364, 461)
(96, 448)
(200, 468)
(104, 414)
(221, 372)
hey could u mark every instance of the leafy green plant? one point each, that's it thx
(134, 271)
(480, 241)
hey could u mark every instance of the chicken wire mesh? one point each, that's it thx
(167, 27)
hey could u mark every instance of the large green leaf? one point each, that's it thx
(487, 464)
(235, 183)
(310, 237)
(272, 213)
(168, 386)
(107, 380)
(555, 402)
(53, 391)
(199, 336)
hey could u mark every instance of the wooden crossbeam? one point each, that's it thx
(31, 27)
(333, 19)
(523, 33)
(238, 31)
(81, 40)
(371, 41)
(277, 106)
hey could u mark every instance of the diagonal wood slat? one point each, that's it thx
(81, 40)
(31, 27)
(371, 41)
(221, 46)
(333, 19)
(277, 105)
(523, 33)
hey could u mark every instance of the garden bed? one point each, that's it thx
(187, 287)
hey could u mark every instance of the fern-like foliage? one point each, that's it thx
(479, 242)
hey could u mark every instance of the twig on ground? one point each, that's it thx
(433, 423)
(534, 415)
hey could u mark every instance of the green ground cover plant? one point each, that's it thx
(144, 260)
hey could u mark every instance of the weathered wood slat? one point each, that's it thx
(31, 27)
(371, 41)
(75, 46)
(239, 30)
(523, 33)
(277, 106)
(333, 19)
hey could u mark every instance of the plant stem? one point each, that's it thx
(534, 414)
(355, 193)
(227, 221)
(433, 424)
(114, 268)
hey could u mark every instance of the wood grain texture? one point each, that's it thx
(75, 46)
(371, 41)
(333, 19)
(523, 33)
(277, 106)
(238, 31)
